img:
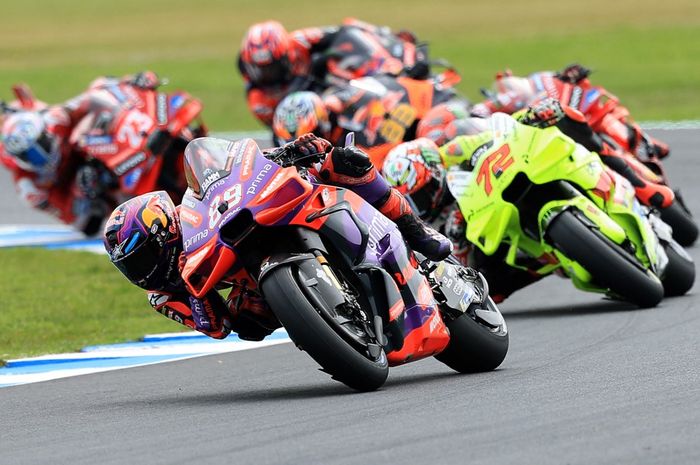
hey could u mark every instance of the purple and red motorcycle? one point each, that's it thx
(334, 270)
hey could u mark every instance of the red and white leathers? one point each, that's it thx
(61, 191)
(319, 57)
(56, 191)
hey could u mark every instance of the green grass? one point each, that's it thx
(59, 301)
(644, 51)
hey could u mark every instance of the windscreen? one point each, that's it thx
(207, 160)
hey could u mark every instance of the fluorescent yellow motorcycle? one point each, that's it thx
(550, 199)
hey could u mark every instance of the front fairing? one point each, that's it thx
(227, 180)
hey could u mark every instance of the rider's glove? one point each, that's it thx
(573, 74)
(210, 315)
(407, 36)
(308, 145)
(543, 114)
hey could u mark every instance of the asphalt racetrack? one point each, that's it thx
(586, 381)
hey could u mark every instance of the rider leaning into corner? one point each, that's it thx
(417, 169)
(274, 62)
(144, 241)
(48, 175)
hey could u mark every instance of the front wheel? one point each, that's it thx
(611, 266)
(685, 231)
(679, 274)
(314, 329)
(473, 346)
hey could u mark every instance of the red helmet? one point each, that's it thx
(300, 113)
(438, 118)
(265, 54)
(416, 170)
(143, 239)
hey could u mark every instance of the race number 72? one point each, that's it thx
(496, 163)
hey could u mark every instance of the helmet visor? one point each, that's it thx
(38, 157)
(276, 72)
(140, 262)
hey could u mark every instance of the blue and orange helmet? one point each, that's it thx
(300, 113)
(265, 52)
(144, 240)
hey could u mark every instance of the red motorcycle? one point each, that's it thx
(136, 137)
(142, 143)
(384, 111)
(335, 271)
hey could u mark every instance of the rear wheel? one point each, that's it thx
(685, 230)
(679, 274)
(611, 266)
(345, 351)
(474, 347)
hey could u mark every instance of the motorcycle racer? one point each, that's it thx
(144, 241)
(381, 111)
(572, 87)
(417, 170)
(274, 62)
(37, 148)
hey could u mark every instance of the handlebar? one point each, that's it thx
(285, 156)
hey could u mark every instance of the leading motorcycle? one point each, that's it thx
(334, 270)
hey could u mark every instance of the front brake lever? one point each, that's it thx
(350, 139)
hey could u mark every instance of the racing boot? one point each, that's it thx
(660, 149)
(649, 193)
(419, 236)
(655, 195)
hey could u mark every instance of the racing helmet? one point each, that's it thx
(144, 241)
(514, 92)
(436, 120)
(300, 113)
(28, 142)
(265, 54)
(415, 169)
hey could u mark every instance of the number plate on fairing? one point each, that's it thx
(459, 293)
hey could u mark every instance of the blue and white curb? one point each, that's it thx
(93, 359)
(152, 349)
(47, 236)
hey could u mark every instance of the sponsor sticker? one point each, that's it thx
(190, 217)
(199, 236)
(129, 163)
(252, 189)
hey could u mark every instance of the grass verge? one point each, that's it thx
(60, 301)
(646, 52)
